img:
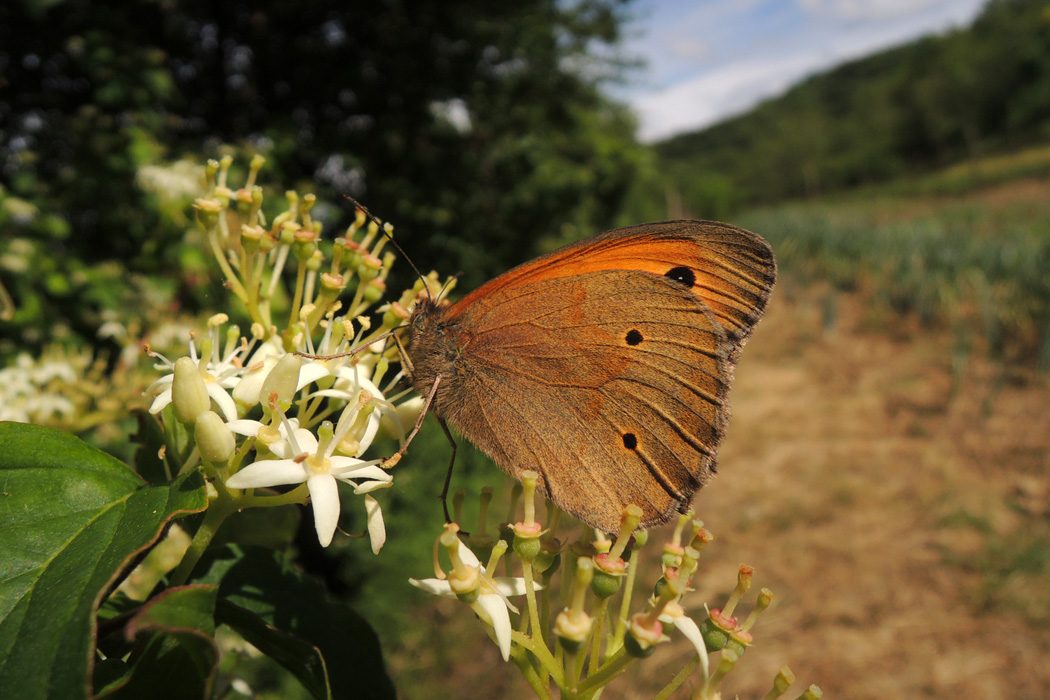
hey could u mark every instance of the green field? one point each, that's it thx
(948, 250)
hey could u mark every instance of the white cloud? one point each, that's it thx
(854, 10)
(710, 97)
(689, 48)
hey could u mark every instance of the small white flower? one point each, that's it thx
(492, 599)
(349, 383)
(312, 462)
(275, 438)
(249, 388)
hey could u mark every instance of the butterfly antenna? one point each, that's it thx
(390, 238)
(448, 283)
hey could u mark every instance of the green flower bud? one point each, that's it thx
(208, 211)
(642, 636)
(214, 440)
(527, 544)
(608, 575)
(189, 395)
(573, 629)
(739, 642)
(283, 378)
(549, 558)
(375, 290)
(716, 630)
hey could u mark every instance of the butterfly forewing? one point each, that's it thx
(611, 384)
(730, 270)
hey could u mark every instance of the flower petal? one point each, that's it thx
(164, 381)
(500, 619)
(310, 372)
(248, 428)
(350, 468)
(369, 486)
(270, 472)
(512, 586)
(376, 526)
(467, 556)
(161, 402)
(303, 442)
(434, 586)
(689, 629)
(324, 495)
(223, 400)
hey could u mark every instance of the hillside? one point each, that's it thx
(939, 100)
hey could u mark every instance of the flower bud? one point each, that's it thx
(214, 440)
(608, 575)
(283, 378)
(573, 625)
(374, 291)
(572, 631)
(208, 211)
(189, 395)
(643, 635)
(527, 541)
(716, 630)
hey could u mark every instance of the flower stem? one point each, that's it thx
(216, 514)
(679, 678)
(543, 656)
(535, 622)
(613, 667)
(538, 685)
(625, 604)
(596, 638)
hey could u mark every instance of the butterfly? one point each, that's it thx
(605, 366)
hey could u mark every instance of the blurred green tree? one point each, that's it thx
(479, 128)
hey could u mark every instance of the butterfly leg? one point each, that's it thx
(396, 457)
(448, 474)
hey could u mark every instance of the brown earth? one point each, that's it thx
(886, 505)
(898, 511)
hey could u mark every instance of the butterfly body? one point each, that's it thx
(605, 366)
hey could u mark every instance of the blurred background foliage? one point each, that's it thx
(478, 128)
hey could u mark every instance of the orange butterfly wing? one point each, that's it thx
(605, 365)
(734, 269)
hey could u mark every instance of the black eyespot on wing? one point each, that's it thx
(634, 337)
(630, 441)
(682, 275)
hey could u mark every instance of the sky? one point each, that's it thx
(711, 59)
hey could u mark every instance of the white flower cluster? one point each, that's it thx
(261, 380)
(39, 390)
(279, 406)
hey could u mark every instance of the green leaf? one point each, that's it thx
(71, 519)
(150, 439)
(329, 648)
(180, 656)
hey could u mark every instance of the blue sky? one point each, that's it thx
(709, 59)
